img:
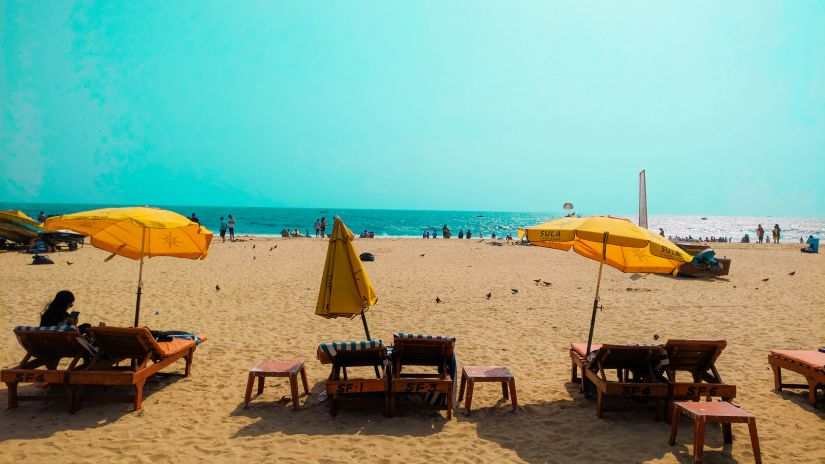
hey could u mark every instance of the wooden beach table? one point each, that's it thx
(472, 374)
(289, 369)
(706, 411)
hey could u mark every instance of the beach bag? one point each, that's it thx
(39, 259)
(367, 257)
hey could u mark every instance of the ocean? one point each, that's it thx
(413, 223)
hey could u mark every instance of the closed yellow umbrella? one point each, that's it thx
(346, 290)
(616, 242)
(137, 232)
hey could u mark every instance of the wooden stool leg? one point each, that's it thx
(304, 379)
(757, 455)
(461, 387)
(574, 371)
(513, 393)
(250, 381)
(469, 402)
(674, 424)
(777, 378)
(727, 433)
(698, 439)
(293, 387)
(812, 391)
(12, 386)
(260, 384)
(504, 390)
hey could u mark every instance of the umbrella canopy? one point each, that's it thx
(613, 241)
(630, 248)
(137, 232)
(16, 226)
(346, 290)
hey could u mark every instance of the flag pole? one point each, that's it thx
(596, 299)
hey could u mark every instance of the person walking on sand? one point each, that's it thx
(323, 227)
(223, 229)
(760, 233)
(317, 227)
(231, 228)
(776, 233)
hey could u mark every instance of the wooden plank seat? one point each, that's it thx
(145, 356)
(697, 358)
(807, 363)
(578, 357)
(634, 379)
(423, 390)
(347, 392)
(46, 348)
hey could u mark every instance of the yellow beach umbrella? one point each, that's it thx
(346, 290)
(137, 232)
(613, 241)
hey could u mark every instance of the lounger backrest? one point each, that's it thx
(346, 354)
(125, 342)
(423, 350)
(52, 342)
(696, 356)
(628, 356)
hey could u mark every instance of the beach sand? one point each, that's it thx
(264, 311)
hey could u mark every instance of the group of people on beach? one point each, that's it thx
(760, 234)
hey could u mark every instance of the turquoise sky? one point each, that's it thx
(416, 105)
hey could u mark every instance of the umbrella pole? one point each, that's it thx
(367, 331)
(140, 277)
(596, 299)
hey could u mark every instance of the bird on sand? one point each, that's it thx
(546, 283)
(514, 290)
(792, 273)
(253, 246)
(422, 254)
(217, 287)
(489, 295)
(537, 281)
(69, 263)
(437, 300)
(765, 279)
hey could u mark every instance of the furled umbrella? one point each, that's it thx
(613, 241)
(346, 290)
(138, 232)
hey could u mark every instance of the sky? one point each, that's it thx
(465, 105)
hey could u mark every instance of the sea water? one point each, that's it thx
(413, 223)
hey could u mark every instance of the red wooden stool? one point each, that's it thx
(706, 411)
(289, 369)
(472, 374)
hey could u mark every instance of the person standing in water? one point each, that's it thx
(776, 233)
(323, 227)
(760, 233)
(223, 229)
(231, 228)
(317, 227)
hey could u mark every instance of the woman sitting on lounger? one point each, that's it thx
(57, 312)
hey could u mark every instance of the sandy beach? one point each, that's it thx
(264, 311)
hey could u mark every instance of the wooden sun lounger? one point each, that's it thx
(635, 378)
(578, 357)
(45, 349)
(435, 352)
(143, 355)
(344, 392)
(698, 358)
(809, 364)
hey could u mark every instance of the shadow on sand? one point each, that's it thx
(51, 417)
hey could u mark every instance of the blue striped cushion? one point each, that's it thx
(51, 328)
(332, 348)
(423, 336)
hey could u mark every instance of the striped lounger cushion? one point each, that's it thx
(51, 328)
(423, 336)
(332, 348)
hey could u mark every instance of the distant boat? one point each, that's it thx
(704, 219)
(479, 215)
